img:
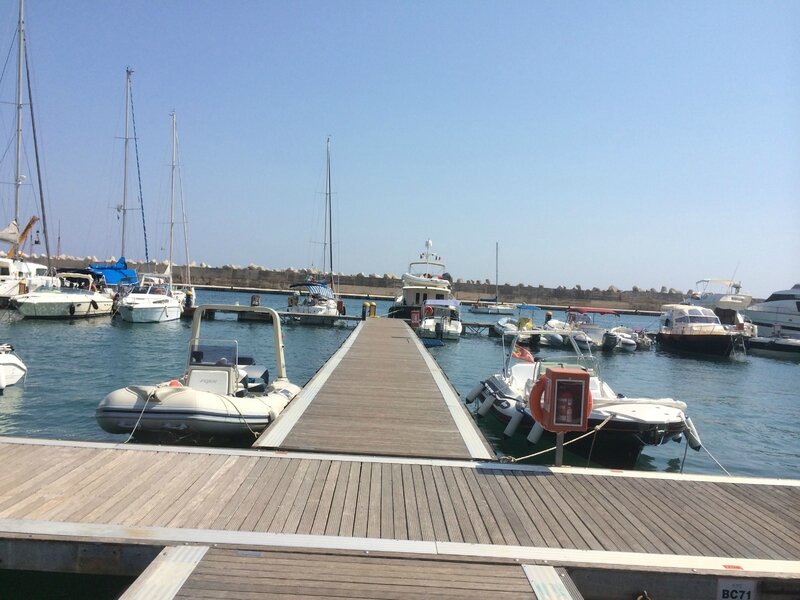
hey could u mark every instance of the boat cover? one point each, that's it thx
(116, 274)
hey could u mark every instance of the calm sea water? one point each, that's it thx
(747, 410)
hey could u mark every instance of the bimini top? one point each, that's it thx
(116, 274)
(315, 288)
(597, 311)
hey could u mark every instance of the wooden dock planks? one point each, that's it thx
(221, 491)
(382, 396)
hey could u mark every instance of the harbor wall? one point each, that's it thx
(254, 278)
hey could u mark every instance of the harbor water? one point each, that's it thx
(746, 409)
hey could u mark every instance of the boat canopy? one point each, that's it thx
(315, 288)
(117, 273)
(591, 310)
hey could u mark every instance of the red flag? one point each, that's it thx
(521, 353)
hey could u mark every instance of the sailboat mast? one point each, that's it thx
(496, 272)
(329, 217)
(128, 73)
(19, 178)
(172, 191)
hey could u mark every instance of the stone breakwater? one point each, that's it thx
(259, 279)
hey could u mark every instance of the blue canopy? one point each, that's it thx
(116, 274)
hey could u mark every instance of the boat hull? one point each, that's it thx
(165, 412)
(150, 314)
(707, 344)
(12, 370)
(787, 348)
(63, 308)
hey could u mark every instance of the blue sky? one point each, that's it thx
(601, 143)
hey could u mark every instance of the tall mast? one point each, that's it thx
(128, 73)
(172, 192)
(328, 205)
(19, 177)
(496, 272)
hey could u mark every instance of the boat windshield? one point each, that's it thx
(213, 352)
(697, 319)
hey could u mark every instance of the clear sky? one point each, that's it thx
(601, 143)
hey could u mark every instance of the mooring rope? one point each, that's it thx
(595, 429)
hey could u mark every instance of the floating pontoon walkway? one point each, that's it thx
(380, 393)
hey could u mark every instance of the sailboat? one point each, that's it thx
(154, 300)
(19, 276)
(315, 301)
(493, 306)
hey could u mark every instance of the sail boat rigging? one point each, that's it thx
(20, 276)
(318, 302)
(493, 306)
(154, 299)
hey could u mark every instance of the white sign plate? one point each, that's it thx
(737, 589)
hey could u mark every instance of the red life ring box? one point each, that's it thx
(566, 400)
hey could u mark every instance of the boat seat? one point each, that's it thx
(216, 380)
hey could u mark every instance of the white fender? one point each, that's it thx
(692, 437)
(474, 393)
(486, 405)
(516, 419)
(535, 434)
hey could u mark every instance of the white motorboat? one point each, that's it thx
(774, 347)
(12, 369)
(634, 422)
(726, 299)
(80, 295)
(222, 396)
(150, 301)
(563, 332)
(695, 330)
(778, 315)
(441, 320)
(426, 279)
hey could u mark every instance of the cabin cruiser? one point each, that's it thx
(222, 396)
(726, 299)
(426, 279)
(441, 320)
(152, 300)
(696, 330)
(81, 294)
(777, 315)
(20, 277)
(632, 422)
(12, 369)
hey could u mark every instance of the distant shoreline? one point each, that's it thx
(255, 280)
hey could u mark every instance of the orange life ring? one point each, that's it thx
(535, 400)
(428, 311)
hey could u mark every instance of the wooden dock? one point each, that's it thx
(380, 393)
(334, 503)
